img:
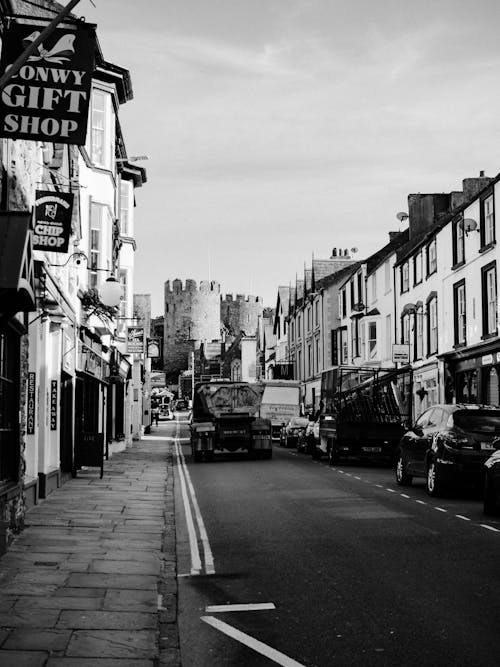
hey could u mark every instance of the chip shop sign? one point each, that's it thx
(48, 99)
(53, 214)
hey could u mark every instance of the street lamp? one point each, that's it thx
(111, 292)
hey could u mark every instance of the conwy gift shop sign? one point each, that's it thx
(48, 99)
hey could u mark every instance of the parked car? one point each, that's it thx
(294, 432)
(448, 443)
(166, 413)
(182, 405)
(491, 497)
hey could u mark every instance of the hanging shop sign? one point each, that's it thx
(48, 99)
(153, 348)
(53, 405)
(31, 404)
(53, 214)
(135, 340)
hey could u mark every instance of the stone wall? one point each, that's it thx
(240, 314)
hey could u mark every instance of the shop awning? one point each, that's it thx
(17, 278)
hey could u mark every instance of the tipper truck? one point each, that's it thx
(226, 416)
(280, 404)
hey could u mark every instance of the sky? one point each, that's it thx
(277, 130)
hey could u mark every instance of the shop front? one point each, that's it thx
(426, 389)
(91, 390)
(472, 375)
(17, 298)
(118, 409)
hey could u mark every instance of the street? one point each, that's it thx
(343, 566)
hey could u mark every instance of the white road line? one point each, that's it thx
(440, 509)
(193, 542)
(405, 495)
(251, 642)
(355, 477)
(379, 486)
(341, 472)
(421, 502)
(390, 490)
(485, 525)
(461, 516)
(256, 606)
(207, 551)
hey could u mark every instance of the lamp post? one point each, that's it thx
(111, 292)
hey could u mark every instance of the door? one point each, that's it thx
(66, 433)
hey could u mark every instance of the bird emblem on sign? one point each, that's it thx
(62, 50)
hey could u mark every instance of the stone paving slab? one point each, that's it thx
(33, 640)
(113, 644)
(106, 620)
(91, 581)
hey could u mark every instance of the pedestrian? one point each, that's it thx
(156, 414)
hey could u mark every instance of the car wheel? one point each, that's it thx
(402, 477)
(490, 505)
(435, 485)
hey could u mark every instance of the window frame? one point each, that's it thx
(487, 240)
(488, 313)
(418, 266)
(431, 260)
(459, 314)
(405, 277)
(458, 243)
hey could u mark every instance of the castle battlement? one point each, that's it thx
(191, 286)
(241, 298)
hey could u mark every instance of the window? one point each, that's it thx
(372, 340)
(309, 361)
(353, 296)
(487, 221)
(387, 275)
(489, 299)
(417, 268)
(292, 330)
(373, 287)
(299, 332)
(419, 334)
(432, 326)
(125, 207)
(334, 346)
(405, 329)
(102, 129)
(316, 313)
(308, 312)
(458, 240)
(355, 337)
(388, 337)
(318, 361)
(431, 257)
(405, 277)
(299, 365)
(362, 340)
(344, 303)
(100, 237)
(459, 316)
(360, 289)
(344, 347)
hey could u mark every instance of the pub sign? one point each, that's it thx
(135, 340)
(53, 214)
(153, 348)
(48, 99)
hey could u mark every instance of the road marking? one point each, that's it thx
(405, 495)
(390, 490)
(355, 477)
(440, 509)
(341, 472)
(193, 542)
(485, 525)
(207, 551)
(421, 502)
(461, 516)
(379, 486)
(256, 606)
(251, 642)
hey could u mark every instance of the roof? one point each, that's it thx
(397, 240)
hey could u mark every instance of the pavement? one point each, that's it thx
(92, 579)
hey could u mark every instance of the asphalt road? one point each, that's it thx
(359, 570)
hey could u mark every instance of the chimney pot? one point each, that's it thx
(481, 173)
(334, 252)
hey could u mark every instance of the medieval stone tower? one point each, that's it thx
(240, 314)
(192, 316)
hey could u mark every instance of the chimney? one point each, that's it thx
(334, 252)
(472, 186)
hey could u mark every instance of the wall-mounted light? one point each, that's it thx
(401, 216)
(110, 292)
(470, 225)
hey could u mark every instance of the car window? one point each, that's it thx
(484, 421)
(423, 420)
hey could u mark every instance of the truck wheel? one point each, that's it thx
(334, 455)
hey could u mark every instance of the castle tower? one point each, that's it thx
(240, 314)
(192, 316)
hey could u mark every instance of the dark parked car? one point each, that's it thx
(448, 443)
(181, 405)
(294, 432)
(491, 502)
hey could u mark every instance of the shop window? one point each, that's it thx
(489, 299)
(9, 405)
(466, 384)
(491, 393)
